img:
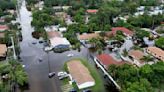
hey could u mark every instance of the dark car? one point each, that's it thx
(87, 90)
(50, 75)
(73, 90)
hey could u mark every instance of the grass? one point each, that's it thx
(65, 81)
(99, 87)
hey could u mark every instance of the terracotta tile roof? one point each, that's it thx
(52, 34)
(2, 35)
(3, 49)
(3, 27)
(92, 11)
(123, 29)
(156, 52)
(89, 36)
(79, 72)
(107, 60)
(137, 54)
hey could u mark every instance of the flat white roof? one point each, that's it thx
(59, 41)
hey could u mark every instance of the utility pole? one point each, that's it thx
(13, 47)
(49, 70)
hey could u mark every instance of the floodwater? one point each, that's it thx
(30, 53)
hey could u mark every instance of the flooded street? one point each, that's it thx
(31, 53)
(37, 72)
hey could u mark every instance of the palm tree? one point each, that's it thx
(97, 44)
(125, 53)
(15, 74)
(147, 58)
(93, 42)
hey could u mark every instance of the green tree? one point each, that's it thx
(143, 85)
(79, 18)
(141, 34)
(147, 58)
(146, 72)
(125, 52)
(160, 42)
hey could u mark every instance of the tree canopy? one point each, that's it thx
(160, 42)
(144, 79)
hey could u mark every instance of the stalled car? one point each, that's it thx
(50, 75)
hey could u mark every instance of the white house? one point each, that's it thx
(58, 42)
(63, 29)
(80, 74)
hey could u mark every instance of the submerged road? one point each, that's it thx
(30, 53)
(37, 71)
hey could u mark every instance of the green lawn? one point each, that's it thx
(99, 86)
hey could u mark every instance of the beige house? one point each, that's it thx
(136, 56)
(3, 50)
(80, 74)
(88, 36)
(2, 35)
(156, 52)
(52, 34)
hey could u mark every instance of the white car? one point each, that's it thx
(23, 66)
(61, 73)
(70, 55)
(48, 48)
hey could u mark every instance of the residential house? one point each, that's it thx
(58, 8)
(62, 29)
(52, 34)
(61, 15)
(148, 42)
(106, 60)
(136, 56)
(2, 35)
(59, 43)
(66, 7)
(2, 20)
(3, 28)
(80, 74)
(156, 52)
(51, 28)
(11, 11)
(126, 31)
(87, 36)
(92, 11)
(3, 51)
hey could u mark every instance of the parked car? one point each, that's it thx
(50, 75)
(73, 90)
(48, 48)
(62, 77)
(87, 90)
(62, 73)
(34, 42)
(41, 41)
(40, 59)
(70, 55)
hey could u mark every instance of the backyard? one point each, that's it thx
(99, 85)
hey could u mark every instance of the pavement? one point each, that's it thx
(37, 71)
